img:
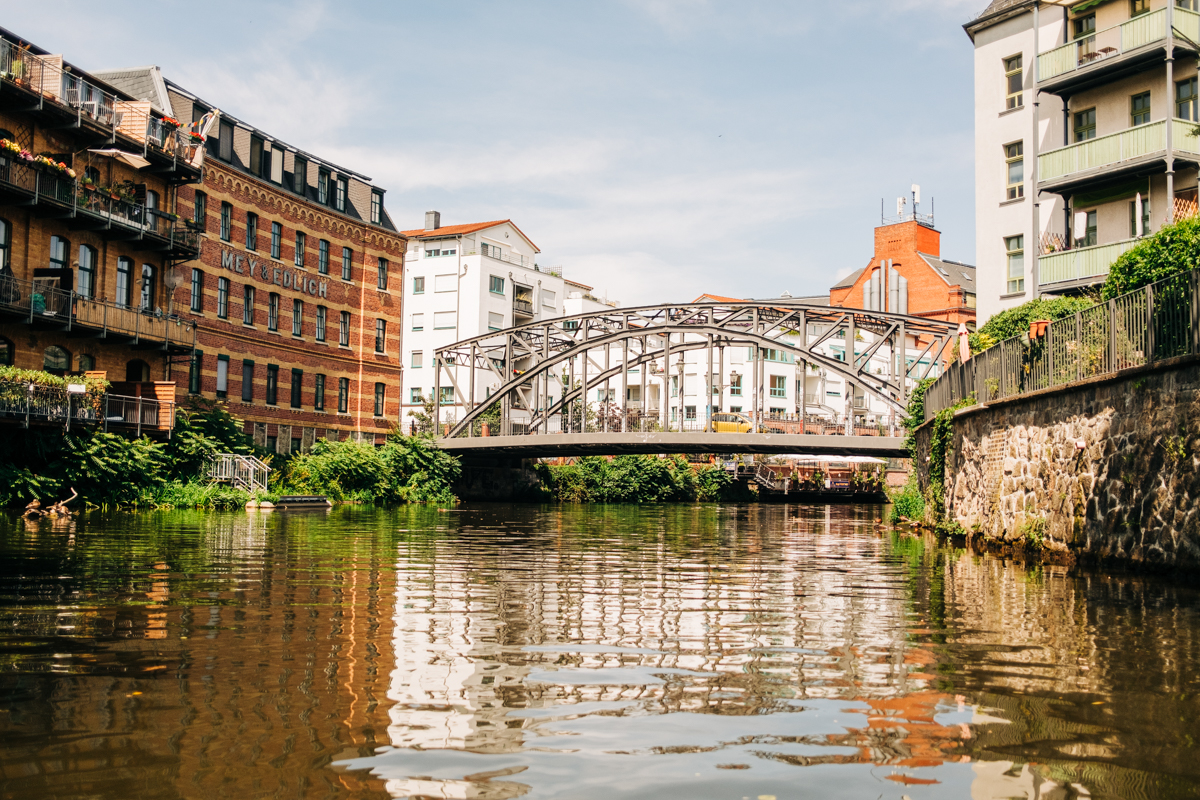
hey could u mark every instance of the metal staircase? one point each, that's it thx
(243, 472)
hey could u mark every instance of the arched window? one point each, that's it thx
(85, 280)
(6, 352)
(137, 371)
(124, 281)
(5, 243)
(147, 301)
(87, 362)
(56, 360)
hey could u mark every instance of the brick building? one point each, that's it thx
(89, 178)
(295, 291)
(919, 281)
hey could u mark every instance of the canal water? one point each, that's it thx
(738, 652)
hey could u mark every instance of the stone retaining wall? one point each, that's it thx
(1107, 468)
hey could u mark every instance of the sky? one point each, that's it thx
(655, 149)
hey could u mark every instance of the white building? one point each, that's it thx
(462, 281)
(1084, 112)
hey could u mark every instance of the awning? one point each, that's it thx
(135, 161)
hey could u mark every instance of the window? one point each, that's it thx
(1015, 163)
(380, 390)
(689, 412)
(251, 231)
(380, 335)
(225, 142)
(778, 386)
(418, 322)
(85, 279)
(343, 395)
(1085, 125)
(6, 352)
(1190, 5)
(496, 284)
(1185, 100)
(418, 359)
(223, 298)
(431, 250)
(59, 247)
(256, 156)
(300, 248)
(200, 211)
(1089, 237)
(300, 176)
(376, 208)
(322, 312)
(222, 376)
(495, 321)
(148, 293)
(674, 386)
(323, 187)
(1133, 217)
(347, 261)
(5, 243)
(1139, 109)
(197, 290)
(419, 285)
(319, 392)
(272, 384)
(297, 317)
(247, 381)
(152, 210)
(273, 312)
(1084, 29)
(548, 299)
(445, 283)
(339, 196)
(735, 386)
(124, 282)
(1138, 7)
(247, 305)
(195, 364)
(226, 221)
(323, 257)
(56, 360)
(1015, 245)
(414, 395)
(382, 273)
(445, 320)
(276, 239)
(344, 329)
(1014, 79)
(447, 395)
(297, 384)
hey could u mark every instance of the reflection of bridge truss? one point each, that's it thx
(544, 368)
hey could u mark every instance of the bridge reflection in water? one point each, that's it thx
(576, 377)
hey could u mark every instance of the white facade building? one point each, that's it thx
(1083, 138)
(462, 281)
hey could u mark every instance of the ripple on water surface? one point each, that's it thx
(510, 651)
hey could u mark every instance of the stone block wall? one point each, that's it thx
(1108, 468)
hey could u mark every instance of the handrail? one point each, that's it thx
(28, 402)
(1111, 148)
(244, 472)
(1103, 44)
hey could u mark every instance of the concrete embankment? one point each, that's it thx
(1104, 469)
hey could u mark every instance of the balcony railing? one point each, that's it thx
(39, 301)
(523, 307)
(1116, 41)
(1081, 263)
(26, 404)
(1103, 151)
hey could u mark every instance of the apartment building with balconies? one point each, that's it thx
(463, 281)
(1085, 138)
(89, 180)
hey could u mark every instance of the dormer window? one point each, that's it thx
(323, 187)
(376, 208)
(300, 176)
(339, 197)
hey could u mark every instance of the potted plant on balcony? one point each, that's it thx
(196, 137)
(170, 123)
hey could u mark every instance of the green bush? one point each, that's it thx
(907, 501)
(195, 494)
(404, 470)
(1174, 248)
(1015, 321)
(636, 479)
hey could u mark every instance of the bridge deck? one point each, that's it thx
(612, 444)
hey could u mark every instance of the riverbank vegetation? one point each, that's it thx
(638, 479)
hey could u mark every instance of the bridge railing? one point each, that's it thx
(1157, 322)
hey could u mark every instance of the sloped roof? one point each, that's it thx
(470, 227)
(849, 281)
(144, 83)
(997, 11)
(716, 298)
(954, 273)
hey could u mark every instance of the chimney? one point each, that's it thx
(433, 220)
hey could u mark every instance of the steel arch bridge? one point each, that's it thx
(546, 368)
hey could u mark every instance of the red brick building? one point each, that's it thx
(919, 282)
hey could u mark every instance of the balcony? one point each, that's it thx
(1107, 53)
(1080, 266)
(52, 193)
(1105, 156)
(40, 85)
(40, 304)
(27, 404)
(523, 307)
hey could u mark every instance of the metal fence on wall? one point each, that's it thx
(1157, 322)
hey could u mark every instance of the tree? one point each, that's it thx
(1015, 321)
